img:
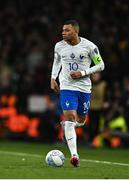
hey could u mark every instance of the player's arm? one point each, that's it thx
(98, 65)
(55, 70)
(97, 60)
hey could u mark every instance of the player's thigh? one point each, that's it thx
(83, 104)
(69, 100)
(69, 103)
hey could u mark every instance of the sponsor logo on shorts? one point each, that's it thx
(67, 103)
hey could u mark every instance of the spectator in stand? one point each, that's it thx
(96, 106)
(126, 101)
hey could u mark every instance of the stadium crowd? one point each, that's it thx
(28, 32)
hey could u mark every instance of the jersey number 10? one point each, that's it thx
(73, 66)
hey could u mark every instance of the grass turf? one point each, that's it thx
(26, 160)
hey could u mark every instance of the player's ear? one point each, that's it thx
(76, 30)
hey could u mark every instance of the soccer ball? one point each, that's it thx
(55, 158)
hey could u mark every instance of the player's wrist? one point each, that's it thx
(83, 73)
(53, 78)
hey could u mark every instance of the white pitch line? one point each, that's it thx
(20, 154)
(84, 160)
(105, 162)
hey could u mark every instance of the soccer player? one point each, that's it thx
(72, 63)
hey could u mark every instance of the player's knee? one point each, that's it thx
(70, 116)
(81, 119)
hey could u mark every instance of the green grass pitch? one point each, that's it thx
(26, 160)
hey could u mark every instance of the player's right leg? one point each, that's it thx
(69, 103)
(70, 135)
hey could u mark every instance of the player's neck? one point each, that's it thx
(75, 41)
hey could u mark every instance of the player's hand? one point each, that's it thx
(54, 86)
(76, 74)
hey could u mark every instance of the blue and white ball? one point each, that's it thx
(55, 158)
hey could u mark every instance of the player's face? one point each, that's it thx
(68, 32)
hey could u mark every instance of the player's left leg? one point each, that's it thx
(81, 120)
(83, 108)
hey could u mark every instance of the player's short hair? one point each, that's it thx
(73, 23)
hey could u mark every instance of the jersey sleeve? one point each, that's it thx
(97, 60)
(56, 64)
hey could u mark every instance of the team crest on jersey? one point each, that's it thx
(82, 57)
(72, 55)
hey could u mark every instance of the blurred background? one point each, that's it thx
(29, 110)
